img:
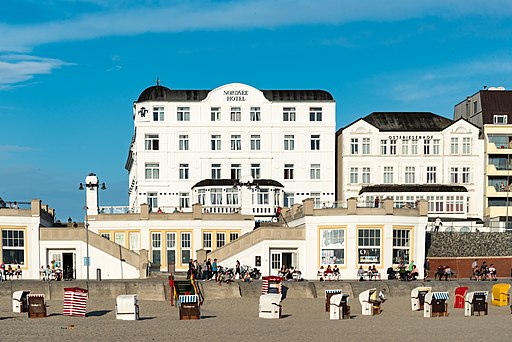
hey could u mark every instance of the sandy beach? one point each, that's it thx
(304, 319)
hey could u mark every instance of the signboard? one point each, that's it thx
(87, 261)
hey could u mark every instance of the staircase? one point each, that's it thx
(271, 232)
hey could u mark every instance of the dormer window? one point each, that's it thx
(500, 119)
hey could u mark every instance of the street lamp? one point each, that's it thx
(91, 183)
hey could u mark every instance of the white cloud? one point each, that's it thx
(15, 69)
(228, 15)
(15, 148)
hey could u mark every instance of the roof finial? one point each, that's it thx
(157, 81)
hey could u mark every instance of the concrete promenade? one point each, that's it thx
(158, 289)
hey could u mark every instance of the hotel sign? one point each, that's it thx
(236, 95)
(410, 137)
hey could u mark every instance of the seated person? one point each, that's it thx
(375, 273)
(447, 272)
(414, 273)
(289, 274)
(360, 273)
(328, 272)
(320, 273)
(336, 271)
(282, 271)
(492, 272)
(402, 272)
(439, 273)
(369, 273)
(382, 296)
(391, 273)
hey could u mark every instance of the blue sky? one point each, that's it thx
(70, 70)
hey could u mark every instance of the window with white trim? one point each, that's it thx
(315, 114)
(13, 246)
(316, 199)
(314, 171)
(466, 145)
(232, 196)
(236, 114)
(221, 239)
(171, 248)
(183, 171)
(207, 240)
(156, 248)
(263, 197)
(256, 171)
(332, 246)
(216, 171)
(151, 142)
(216, 196)
(366, 146)
(201, 196)
(459, 204)
(289, 114)
(354, 146)
(365, 175)
(236, 171)
(315, 142)
(215, 142)
(158, 113)
(410, 175)
(405, 146)
(152, 171)
(454, 146)
(183, 114)
(454, 175)
(183, 142)
(426, 146)
(439, 203)
(288, 171)
(184, 200)
(431, 174)
(289, 199)
(436, 146)
(236, 142)
(384, 146)
(233, 236)
(289, 142)
(392, 146)
(414, 146)
(388, 175)
(186, 253)
(500, 119)
(354, 175)
(401, 246)
(368, 250)
(215, 113)
(255, 114)
(255, 142)
(466, 175)
(153, 200)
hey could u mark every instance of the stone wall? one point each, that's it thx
(450, 245)
(459, 250)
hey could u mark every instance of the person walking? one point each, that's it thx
(426, 269)
(214, 269)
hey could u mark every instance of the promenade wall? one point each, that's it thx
(158, 290)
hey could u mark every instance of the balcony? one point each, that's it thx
(498, 148)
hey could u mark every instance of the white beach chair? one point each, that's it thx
(270, 306)
(418, 297)
(476, 301)
(435, 304)
(127, 307)
(370, 303)
(19, 301)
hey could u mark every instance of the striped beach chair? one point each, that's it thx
(435, 304)
(189, 307)
(75, 301)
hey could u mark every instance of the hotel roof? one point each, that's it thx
(407, 121)
(161, 93)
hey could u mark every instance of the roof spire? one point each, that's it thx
(157, 81)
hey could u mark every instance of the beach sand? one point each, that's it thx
(237, 319)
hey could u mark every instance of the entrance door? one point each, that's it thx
(68, 266)
(287, 259)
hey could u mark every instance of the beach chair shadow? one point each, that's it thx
(285, 316)
(206, 316)
(97, 313)
(146, 318)
(284, 291)
(55, 314)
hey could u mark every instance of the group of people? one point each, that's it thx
(207, 270)
(483, 272)
(8, 273)
(290, 273)
(370, 273)
(443, 271)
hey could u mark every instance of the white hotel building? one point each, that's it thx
(208, 146)
(411, 156)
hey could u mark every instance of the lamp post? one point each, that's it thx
(91, 183)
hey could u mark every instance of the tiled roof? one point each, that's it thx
(412, 188)
(407, 121)
(161, 93)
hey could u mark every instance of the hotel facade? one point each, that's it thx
(411, 156)
(207, 146)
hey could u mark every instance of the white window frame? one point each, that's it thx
(236, 142)
(215, 142)
(354, 175)
(184, 198)
(236, 114)
(369, 249)
(315, 142)
(289, 142)
(354, 146)
(184, 171)
(256, 171)
(288, 171)
(366, 146)
(158, 113)
(388, 175)
(151, 142)
(152, 171)
(216, 171)
(183, 142)
(183, 114)
(13, 240)
(315, 114)
(410, 175)
(314, 172)
(289, 114)
(365, 175)
(215, 114)
(255, 114)
(255, 142)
